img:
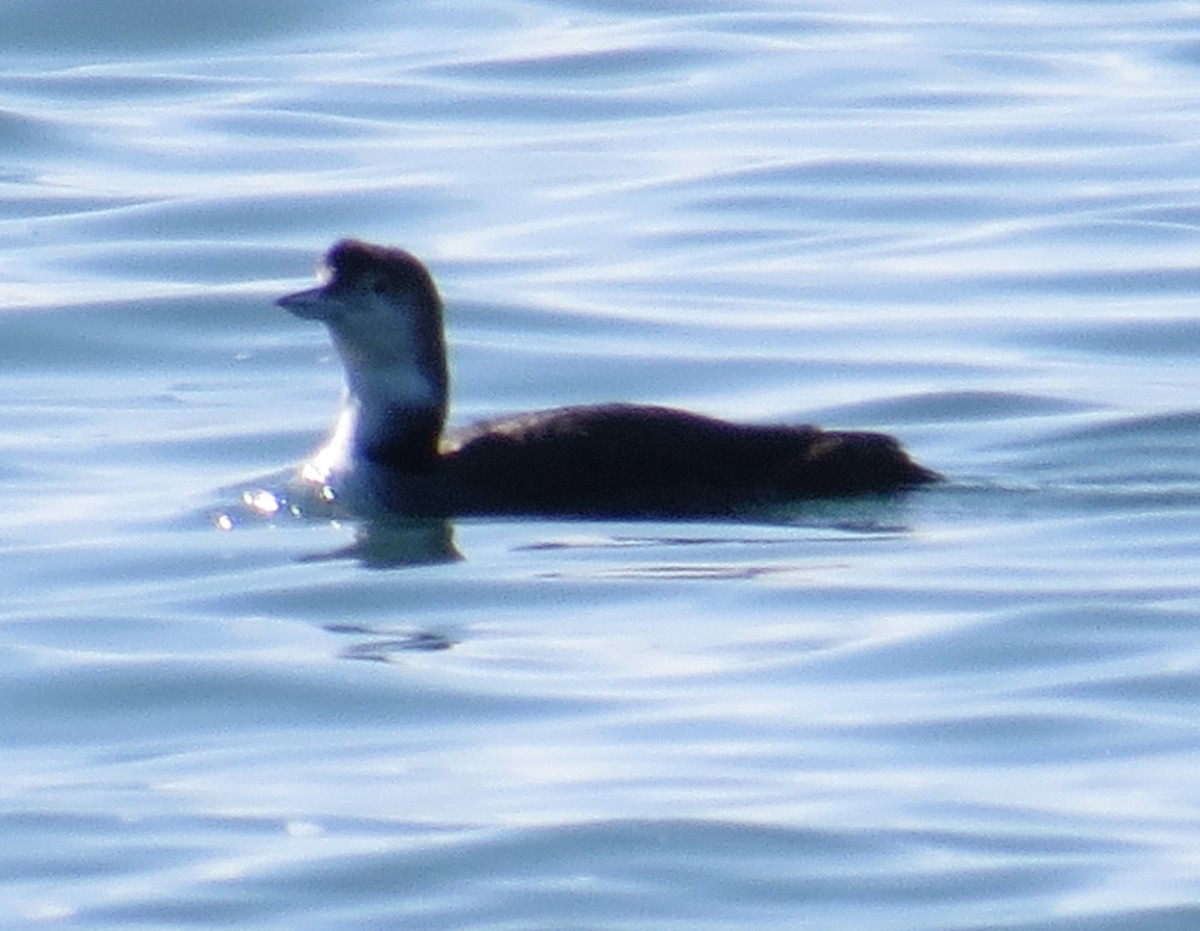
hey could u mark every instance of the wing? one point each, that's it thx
(624, 460)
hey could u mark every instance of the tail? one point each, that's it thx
(853, 463)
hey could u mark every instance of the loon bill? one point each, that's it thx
(387, 449)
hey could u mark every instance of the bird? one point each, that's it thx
(389, 451)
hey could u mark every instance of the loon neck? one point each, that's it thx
(393, 417)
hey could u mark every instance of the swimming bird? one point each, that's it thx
(388, 449)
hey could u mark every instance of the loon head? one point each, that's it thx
(385, 316)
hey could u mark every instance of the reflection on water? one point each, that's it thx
(382, 544)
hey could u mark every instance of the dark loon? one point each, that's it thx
(387, 449)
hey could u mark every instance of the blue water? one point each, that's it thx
(975, 225)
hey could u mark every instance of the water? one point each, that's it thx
(974, 225)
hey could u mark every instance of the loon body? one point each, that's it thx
(388, 451)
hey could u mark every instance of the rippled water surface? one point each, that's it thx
(974, 225)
